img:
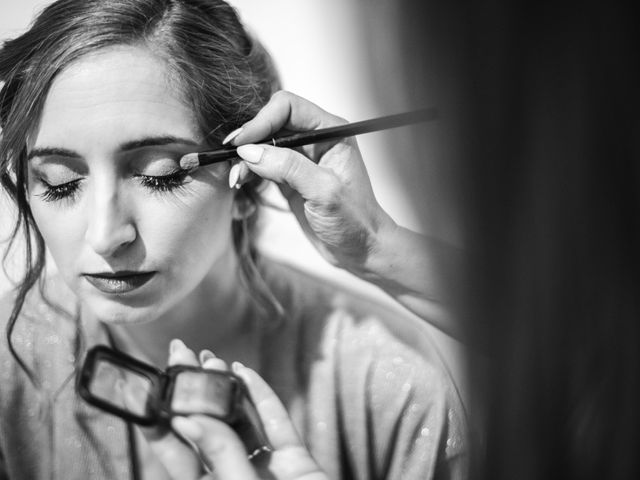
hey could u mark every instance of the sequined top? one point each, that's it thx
(368, 398)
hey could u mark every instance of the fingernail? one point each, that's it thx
(206, 355)
(211, 363)
(251, 153)
(237, 367)
(231, 136)
(234, 174)
(187, 427)
(175, 345)
(243, 171)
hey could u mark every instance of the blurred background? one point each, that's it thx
(547, 130)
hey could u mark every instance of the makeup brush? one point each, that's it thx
(200, 159)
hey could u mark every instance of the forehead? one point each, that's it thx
(114, 94)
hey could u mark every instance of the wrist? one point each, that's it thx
(401, 262)
(383, 253)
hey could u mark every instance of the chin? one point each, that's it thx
(117, 310)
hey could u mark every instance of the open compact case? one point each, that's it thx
(142, 394)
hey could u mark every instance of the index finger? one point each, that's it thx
(275, 418)
(285, 110)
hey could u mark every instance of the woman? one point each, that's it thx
(101, 100)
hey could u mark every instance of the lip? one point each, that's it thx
(118, 282)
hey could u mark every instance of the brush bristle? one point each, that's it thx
(189, 161)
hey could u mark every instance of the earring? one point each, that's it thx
(243, 206)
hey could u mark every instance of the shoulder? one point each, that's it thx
(301, 289)
(397, 395)
(382, 370)
(369, 337)
(44, 325)
(45, 305)
(350, 309)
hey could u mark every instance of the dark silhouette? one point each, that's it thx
(546, 96)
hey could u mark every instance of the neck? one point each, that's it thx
(213, 316)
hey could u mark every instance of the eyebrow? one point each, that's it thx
(156, 141)
(127, 146)
(49, 151)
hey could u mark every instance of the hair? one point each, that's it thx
(223, 72)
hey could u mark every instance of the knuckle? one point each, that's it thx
(338, 120)
(331, 120)
(265, 156)
(289, 165)
(281, 96)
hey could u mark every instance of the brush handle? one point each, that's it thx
(355, 128)
(331, 133)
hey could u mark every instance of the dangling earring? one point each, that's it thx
(243, 206)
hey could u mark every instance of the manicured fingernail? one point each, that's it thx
(175, 345)
(237, 367)
(234, 174)
(244, 172)
(187, 427)
(206, 355)
(213, 364)
(251, 153)
(231, 136)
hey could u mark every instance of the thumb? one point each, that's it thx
(286, 166)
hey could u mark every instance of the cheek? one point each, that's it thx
(187, 232)
(62, 231)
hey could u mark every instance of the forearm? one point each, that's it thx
(420, 272)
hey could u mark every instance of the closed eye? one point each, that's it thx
(53, 193)
(164, 183)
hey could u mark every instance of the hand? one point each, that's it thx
(329, 192)
(326, 185)
(218, 444)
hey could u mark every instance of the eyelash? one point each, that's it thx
(161, 183)
(164, 183)
(54, 193)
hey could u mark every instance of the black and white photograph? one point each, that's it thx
(319, 240)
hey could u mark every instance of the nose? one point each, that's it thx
(110, 227)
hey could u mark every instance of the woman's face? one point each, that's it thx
(130, 233)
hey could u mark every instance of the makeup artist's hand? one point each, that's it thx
(220, 446)
(326, 184)
(329, 192)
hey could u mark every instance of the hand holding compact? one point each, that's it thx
(220, 447)
(326, 184)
